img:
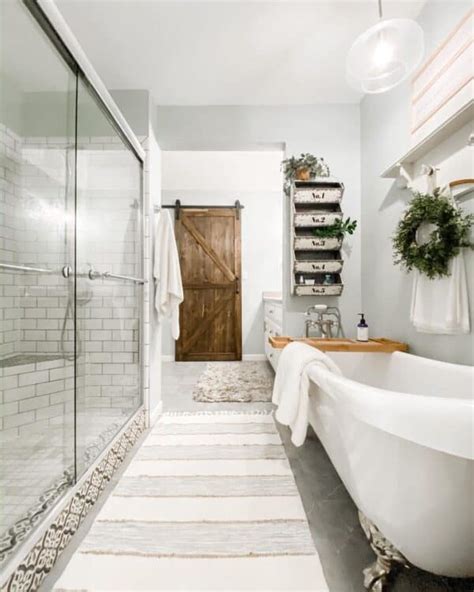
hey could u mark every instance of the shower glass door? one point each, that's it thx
(108, 265)
(37, 156)
(70, 274)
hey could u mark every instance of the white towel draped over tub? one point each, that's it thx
(441, 305)
(167, 272)
(291, 388)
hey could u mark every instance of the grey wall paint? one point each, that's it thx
(135, 106)
(386, 289)
(331, 131)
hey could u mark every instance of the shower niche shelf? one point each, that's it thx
(316, 262)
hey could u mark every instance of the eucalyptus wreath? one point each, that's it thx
(451, 233)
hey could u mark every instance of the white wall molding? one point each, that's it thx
(254, 357)
(167, 358)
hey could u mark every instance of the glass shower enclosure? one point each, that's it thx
(70, 273)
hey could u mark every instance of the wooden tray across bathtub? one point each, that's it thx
(378, 345)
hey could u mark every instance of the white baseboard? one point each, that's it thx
(245, 358)
(155, 413)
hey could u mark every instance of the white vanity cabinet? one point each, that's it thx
(273, 325)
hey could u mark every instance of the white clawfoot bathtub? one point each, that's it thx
(399, 431)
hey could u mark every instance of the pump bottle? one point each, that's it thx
(362, 329)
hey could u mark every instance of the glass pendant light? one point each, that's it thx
(385, 55)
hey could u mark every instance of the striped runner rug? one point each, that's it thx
(209, 503)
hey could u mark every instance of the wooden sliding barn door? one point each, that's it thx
(210, 257)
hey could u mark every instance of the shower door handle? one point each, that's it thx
(126, 278)
(93, 274)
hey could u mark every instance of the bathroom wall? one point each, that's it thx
(140, 113)
(152, 349)
(35, 394)
(36, 319)
(220, 178)
(31, 206)
(10, 147)
(331, 131)
(385, 120)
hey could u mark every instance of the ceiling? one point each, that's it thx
(222, 52)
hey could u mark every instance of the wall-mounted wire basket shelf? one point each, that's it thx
(316, 262)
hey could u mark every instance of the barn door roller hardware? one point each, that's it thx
(178, 207)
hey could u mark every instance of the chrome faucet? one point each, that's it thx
(327, 321)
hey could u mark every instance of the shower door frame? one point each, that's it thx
(53, 24)
(48, 17)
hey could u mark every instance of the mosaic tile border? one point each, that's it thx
(23, 527)
(30, 573)
(20, 530)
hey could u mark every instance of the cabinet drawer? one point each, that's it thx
(274, 312)
(316, 218)
(319, 290)
(319, 266)
(316, 195)
(271, 328)
(309, 243)
(272, 354)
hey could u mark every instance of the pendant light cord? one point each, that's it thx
(380, 9)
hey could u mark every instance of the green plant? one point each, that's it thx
(451, 233)
(314, 165)
(336, 230)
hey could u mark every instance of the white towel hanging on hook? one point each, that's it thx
(167, 273)
(442, 305)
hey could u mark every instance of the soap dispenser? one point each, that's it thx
(362, 329)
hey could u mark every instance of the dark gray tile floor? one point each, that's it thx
(335, 527)
(332, 516)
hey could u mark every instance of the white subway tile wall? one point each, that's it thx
(147, 271)
(37, 309)
(34, 203)
(37, 346)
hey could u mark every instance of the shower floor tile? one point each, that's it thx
(35, 469)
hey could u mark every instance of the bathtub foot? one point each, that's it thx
(377, 574)
(389, 559)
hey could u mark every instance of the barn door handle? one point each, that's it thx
(237, 285)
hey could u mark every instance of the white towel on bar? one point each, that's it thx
(291, 388)
(441, 305)
(167, 272)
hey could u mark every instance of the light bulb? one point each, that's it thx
(383, 53)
